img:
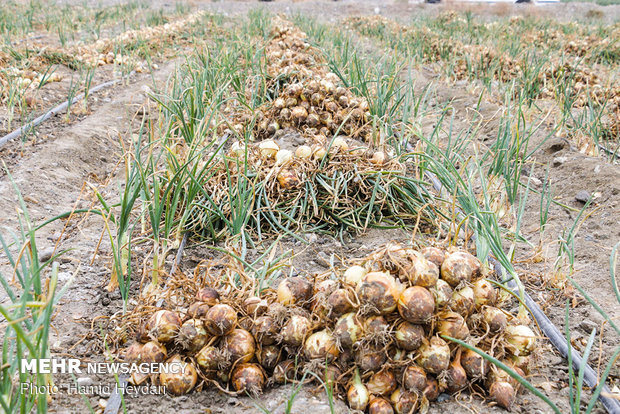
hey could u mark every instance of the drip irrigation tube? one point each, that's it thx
(548, 328)
(55, 110)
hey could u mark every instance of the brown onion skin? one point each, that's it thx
(348, 330)
(382, 382)
(434, 255)
(153, 352)
(208, 357)
(416, 305)
(409, 336)
(435, 355)
(295, 290)
(370, 359)
(296, 330)
(197, 310)
(414, 378)
(179, 383)
(221, 319)
(208, 295)
(404, 402)
(240, 345)
(423, 272)
(484, 293)
(495, 319)
(459, 267)
(431, 392)
(255, 306)
(192, 335)
(452, 324)
(379, 291)
(462, 301)
(265, 330)
(133, 353)
(321, 345)
(455, 375)
(380, 405)
(249, 378)
(268, 357)
(339, 302)
(163, 326)
(442, 292)
(285, 371)
(503, 393)
(475, 365)
(376, 325)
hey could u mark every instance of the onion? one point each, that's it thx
(376, 326)
(442, 292)
(484, 293)
(272, 128)
(321, 345)
(452, 324)
(294, 290)
(265, 330)
(404, 402)
(414, 379)
(288, 179)
(503, 393)
(163, 326)
(347, 330)
(331, 375)
(299, 114)
(382, 382)
(458, 267)
(435, 355)
(295, 330)
(240, 345)
(192, 335)
(462, 301)
(325, 288)
(416, 305)
(255, 306)
(220, 319)
(283, 157)
(378, 158)
(409, 336)
(522, 339)
(318, 153)
(475, 365)
(304, 152)
(370, 359)
(285, 371)
(268, 148)
(431, 392)
(354, 275)
(339, 145)
(197, 310)
(379, 291)
(210, 358)
(434, 255)
(248, 378)
(422, 272)
(455, 376)
(495, 319)
(380, 405)
(268, 357)
(133, 353)
(357, 394)
(181, 382)
(339, 302)
(208, 295)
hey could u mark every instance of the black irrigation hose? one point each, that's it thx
(548, 328)
(57, 109)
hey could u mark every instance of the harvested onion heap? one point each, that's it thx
(312, 100)
(377, 333)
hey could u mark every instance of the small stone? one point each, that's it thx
(582, 196)
(84, 381)
(105, 301)
(557, 161)
(323, 259)
(587, 325)
(443, 397)
(46, 254)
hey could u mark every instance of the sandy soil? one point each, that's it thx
(52, 170)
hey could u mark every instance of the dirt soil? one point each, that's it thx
(55, 170)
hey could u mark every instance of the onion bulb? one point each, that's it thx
(304, 152)
(459, 267)
(409, 336)
(503, 393)
(422, 272)
(484, 293)
(442, 292)
(283, 157)
(192, 335)
(348, 330)
(240, 345)
(378, 158)
(435, 355)
(255, 306)
(379, 291)
(209, 358)
(321, 345)
(357, 394)
(382, 382)
(197, 310)
(495, 319)
(288, 179)
(285, 371)
(434, 255)
(318, 153)
(414, 378)
(522, 339)
(163, 326)
(455, 376)
(295, 330)
(268, 357)
(339, 145)
(431, 392)
(221, 319)
(248, 378)
(354, 275)
(265, 330)
(339, 302)
(268, 148)
(376, 326)
(404, 402)
(208, 295)
(294, 290)
(452, 324)
(474, 364)
(462, 301)
(133, 353)
(153, 352)
(416, 305)
(180, 378)
(370, 358)
(380, 405)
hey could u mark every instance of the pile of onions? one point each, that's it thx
(378, 332)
